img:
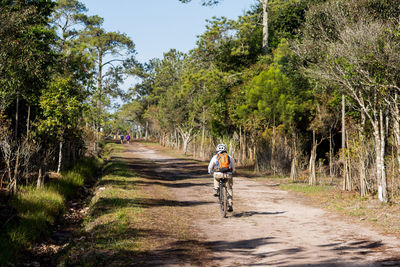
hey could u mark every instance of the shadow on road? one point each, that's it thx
(252, 213)
(110, 205)
(184, 173)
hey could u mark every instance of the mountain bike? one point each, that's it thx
(223, 196)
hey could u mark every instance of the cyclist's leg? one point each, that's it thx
(216, 186)
(229, 186)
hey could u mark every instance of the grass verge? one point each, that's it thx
(32, 211)
(109, 234)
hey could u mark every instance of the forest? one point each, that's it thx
(310, 92)
(303, 89)
(299, 88)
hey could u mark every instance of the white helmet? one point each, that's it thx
(221, 148)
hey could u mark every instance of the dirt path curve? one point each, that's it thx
(268, 227)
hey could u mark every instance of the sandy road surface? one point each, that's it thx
(268, 227)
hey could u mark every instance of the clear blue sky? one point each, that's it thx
(156, 26)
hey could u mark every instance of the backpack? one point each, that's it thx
(224, 163)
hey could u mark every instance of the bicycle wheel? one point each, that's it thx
(223, 198)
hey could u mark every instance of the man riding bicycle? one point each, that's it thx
(222, 165)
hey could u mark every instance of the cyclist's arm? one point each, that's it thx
(211, 165)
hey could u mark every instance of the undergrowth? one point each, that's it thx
(35, 210)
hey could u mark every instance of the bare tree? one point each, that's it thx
(353, 63)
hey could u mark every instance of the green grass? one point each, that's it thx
(109, 225)
(111, 149)
(304, 188)
(38, 209)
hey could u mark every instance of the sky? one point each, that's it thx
(156, 26)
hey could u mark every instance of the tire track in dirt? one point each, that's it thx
(269, 227)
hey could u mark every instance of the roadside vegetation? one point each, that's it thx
(32, 212)
(55, 93)
(109, 233)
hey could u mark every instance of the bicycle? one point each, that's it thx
(223, 196)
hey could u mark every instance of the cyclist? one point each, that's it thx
(215, 168)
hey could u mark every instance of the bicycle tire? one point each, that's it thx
(225, 200)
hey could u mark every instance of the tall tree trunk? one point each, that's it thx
(99, 96)
(202, 152)
(344, 157)
(348, 167)
(178, 140)
(273, 148)
(256, 162)
(313, 155)
(378, 158)
(16, 172)
(380, 153)
(396, 130)
(245, 148)
(383, 196)
(147, 131)
(185, 141)
(60, 157)
(16, 116)
(363, 178)
(40, 179)
(293, 169)
(186, 138)
(265, 25)
(240, 146)
(330, 155)
(99, 88)
(28, 122)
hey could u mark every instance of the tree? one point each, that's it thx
(264, 4)
(25, 53)
(353, 57)
(110, 51)
(62, 106)
(26, 63)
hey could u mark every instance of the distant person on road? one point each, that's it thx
(128, 138)
(221, 164)
(122, 138)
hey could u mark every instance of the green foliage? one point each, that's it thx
(62, 105)
(224, 83)
(25, 50)
(306, 189)
(285, 20)
(37, 209)
(276, 96)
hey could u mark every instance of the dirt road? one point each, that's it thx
(268, 227)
